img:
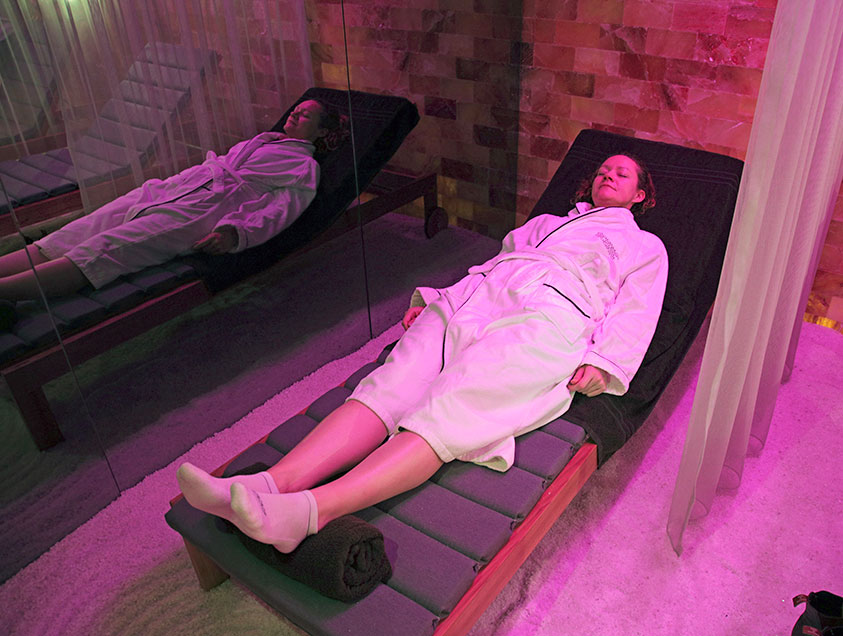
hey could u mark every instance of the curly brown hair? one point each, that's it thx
(645, 183)
(337, 125)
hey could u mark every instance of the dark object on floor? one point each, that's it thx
(8, 315)
(823, 615)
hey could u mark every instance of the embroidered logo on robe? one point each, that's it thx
(613, 254)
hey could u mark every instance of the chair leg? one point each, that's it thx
(435, 218)
(36, 413)
(209, 573)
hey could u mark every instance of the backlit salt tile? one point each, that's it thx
(743, 81)
(474, 192)
(623, 38)
(571, 33)
(460, 90)
(455, 130)
(333, 73)
(492, 50)
(424, 42)
(556, 10)
(831, 259)
(621, 89)
(648, 14)
(424, 84)
(505, 118)
(592, 110)
(709, 17)
(406, 18)
(750, 22)
(438, 21)
(690, 73)
(537, 79)
(553, 103)
(643, 67)
(636, 118)
(431, 64)
(539, 30)
(471, 24)
(600, 11)
(581, 84)
(456, 44)
(552, 56)
(838, 208)
(440, 107)
(472, 69)
(506, 27)
(566, 128)
(596, 61)
(673, 44)
(828, 284)
(835, 234)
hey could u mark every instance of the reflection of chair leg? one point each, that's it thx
(35, 411)
(26, 376)
(435, 218)
(209, 573)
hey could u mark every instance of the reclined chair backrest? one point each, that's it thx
(380, 125)
(696, 193)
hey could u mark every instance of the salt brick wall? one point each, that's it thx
(504, 87)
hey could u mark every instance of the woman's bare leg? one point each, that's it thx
(57, 278)
(338, 442)
(399, 465)
(18, 261)
(284, 520)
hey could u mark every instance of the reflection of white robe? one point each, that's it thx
(259, 188)
(490, 357)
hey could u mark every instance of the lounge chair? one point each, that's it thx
(157, 87)
(93, 322)
(448, 566)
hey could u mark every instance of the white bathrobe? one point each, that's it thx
(490, 357)
(259, 188)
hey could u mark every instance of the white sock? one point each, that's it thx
(283, 520)
(213, 494)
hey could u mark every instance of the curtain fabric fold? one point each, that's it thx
(789, 185)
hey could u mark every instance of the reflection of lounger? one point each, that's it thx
(456, 540)
(27, 81)
(95, 321)
(157, 86)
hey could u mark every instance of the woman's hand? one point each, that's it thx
(410, 316)
(220, 241)
(589, 380)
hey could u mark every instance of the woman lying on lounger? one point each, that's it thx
(568, 305)
(225, 204)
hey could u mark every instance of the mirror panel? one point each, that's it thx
(212, 353)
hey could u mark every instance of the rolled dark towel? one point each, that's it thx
(345, 560)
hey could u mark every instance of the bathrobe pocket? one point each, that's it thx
(563, 305)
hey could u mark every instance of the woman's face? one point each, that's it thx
(304, 121)
(616, 183)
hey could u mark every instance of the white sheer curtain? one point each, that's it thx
(790, 182)
(146, 87)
